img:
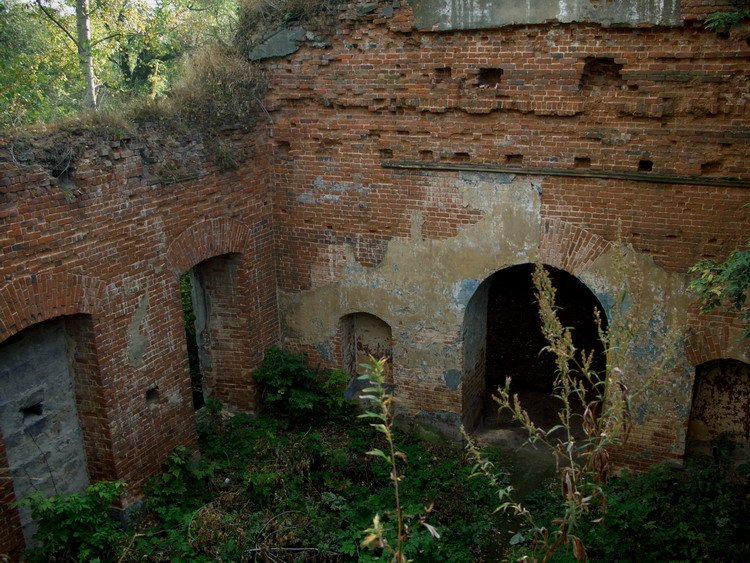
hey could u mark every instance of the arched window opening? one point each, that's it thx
(719, 423)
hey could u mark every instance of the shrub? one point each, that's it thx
(668, 513)
(76, 527)
(295, 391)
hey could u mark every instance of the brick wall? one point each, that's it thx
(111, 242)
(654, 103)
(315, 212)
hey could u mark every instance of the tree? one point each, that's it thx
(60, 56)
(82, 42)
(38, 78)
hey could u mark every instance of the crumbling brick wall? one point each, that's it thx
(518, 144)
(109, 239)
(629, 130)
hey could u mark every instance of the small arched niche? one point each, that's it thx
(363, 335)
(503, 338)
(720, 411)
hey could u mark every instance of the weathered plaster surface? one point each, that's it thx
(138, 335)
(445, 15)
(422, 288)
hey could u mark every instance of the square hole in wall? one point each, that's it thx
(514, 159)
(32, 412)
(282, 149)
(582, 162)
(386, 153)
(152, 395)
(645, 166)
(712, 167)
(443, 73)
(490, 77)
(426, 155)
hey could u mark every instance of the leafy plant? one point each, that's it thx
(696, 513)
(725, 283)
(298, 392)
(724, 21)
(383, 400)
(76, 527)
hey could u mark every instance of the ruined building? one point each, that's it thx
(412, 166)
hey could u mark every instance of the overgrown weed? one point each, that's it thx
(583, 466)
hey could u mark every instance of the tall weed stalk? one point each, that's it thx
(583, 464)
(383, 400)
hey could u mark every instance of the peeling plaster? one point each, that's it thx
(422, 289)
(137, 337)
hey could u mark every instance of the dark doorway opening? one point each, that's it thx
(215, 328)
(189, 285)
(515, 343)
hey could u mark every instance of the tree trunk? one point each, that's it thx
(85, 58)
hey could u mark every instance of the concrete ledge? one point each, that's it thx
(449, 15)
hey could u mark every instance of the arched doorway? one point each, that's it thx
(213, 326)
(720, 412)
(503, 338)
(51, 410)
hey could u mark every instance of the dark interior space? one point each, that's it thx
(515, 342)
(188, 310)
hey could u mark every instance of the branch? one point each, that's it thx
(113, 35)
(54, 20)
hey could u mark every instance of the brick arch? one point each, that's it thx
(713, 336)
(568, 247)
(205, 240)
(35, 298)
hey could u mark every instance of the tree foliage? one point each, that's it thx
(136, 47)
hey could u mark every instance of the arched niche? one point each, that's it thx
(363, 335)
(502, 338)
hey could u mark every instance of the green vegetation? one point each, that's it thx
(724, 21)
(173, 63)
(725, 283)
(293, 390)
(267, 488)
(284, 487)
(698, 513)
(137, 47)
(76, 527)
